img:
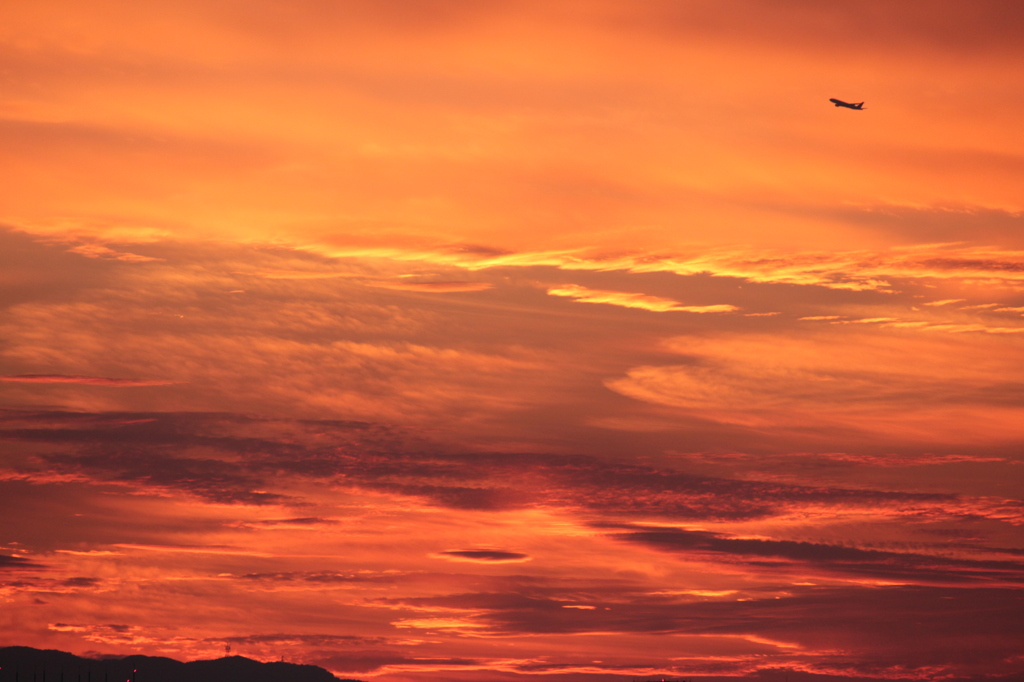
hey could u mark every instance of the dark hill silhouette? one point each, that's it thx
(25, 664)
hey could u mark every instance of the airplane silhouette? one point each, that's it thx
(840, 103)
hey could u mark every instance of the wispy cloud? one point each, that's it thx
(852, 270)
(225, 551)
(632, 300)
(880, 565)
(8, 562)
(107, 253)
(78, 379)
(438, 287)
(482, 555)
(381, 462)
(858, 382)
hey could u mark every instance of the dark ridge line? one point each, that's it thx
(23, 663)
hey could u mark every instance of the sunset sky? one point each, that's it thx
(510, 341)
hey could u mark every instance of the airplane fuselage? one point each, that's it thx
(840, 103)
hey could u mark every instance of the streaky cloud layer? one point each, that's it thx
(72, 379)
(295, 357)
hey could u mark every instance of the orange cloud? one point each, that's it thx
(630, 300)
(100, 251)
(852, 271)
(482, 555)
(76, 379)
(723, 495)
(438, 287)
(900, 387)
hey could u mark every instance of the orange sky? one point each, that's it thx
(438, 340)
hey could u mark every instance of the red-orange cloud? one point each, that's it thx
(77, 379)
